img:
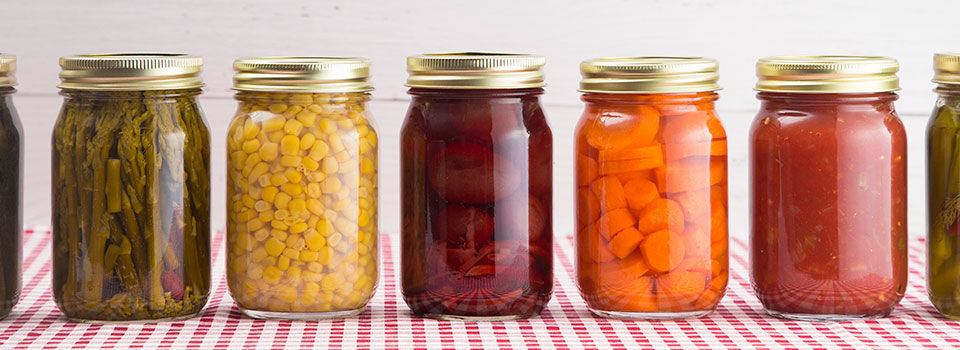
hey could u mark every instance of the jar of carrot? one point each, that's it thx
(651, 160)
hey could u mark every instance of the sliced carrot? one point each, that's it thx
(660, 214)
(676, 291)
(588, 207)
(614, 221)
(591, 245)
(716, 267)
(641, 297)
(716, 127)
(632, 175)
(696, 242)
(706, 148)
(711, 296)
(621, 128)
(690, 174)
(718, 251)
(718, 222)
(610, 193)
(695, 205)
(695, 264)
(640, 192)
(587, 170)
(623, 166)
(690, 127)
(628, 153)
(662, 250)
(619, 271)
(625, 242)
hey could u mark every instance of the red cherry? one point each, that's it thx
(468, 173)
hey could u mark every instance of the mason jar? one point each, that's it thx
(11, 188)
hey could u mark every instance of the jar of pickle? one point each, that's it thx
(476, 187)
(131, 189)
(943, 189)
(11, 188)
(828, 167)
(302, 188)
(651, 188)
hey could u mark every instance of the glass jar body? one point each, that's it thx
(828, 207)
(302, 216)
(651, 205)
(131, 212)
(11, 199)
(943, 204)
(476, 186)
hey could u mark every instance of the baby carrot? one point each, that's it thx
(640, 192)
(616, 129)
(662, 250)
(614, 221)
(625, 242)
(610, 193)
(660, 214)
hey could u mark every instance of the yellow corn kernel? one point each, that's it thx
(311, 289)
(301, 99)
(362, 249)
(330, 185)
(298, 227)
(345, 124)
(324, 227)
(314, 241)
(259, 169)
(269, 193)
(264, 180)
(329, 283)
(283, 263)
(258, 254)
(362, 130)
(296, 205)
(251, 146)
(261, 234)
(280, 235)
(237, 159)
(272, 274)
(336, 143)
(254, 225)
(278, 179)
(372, 139)
(333, 240)
(294, 273)
(261, 206)
(363, 219)
(308, 255)
(367, 166)
(310, 164)
(293, 190)
(306, 142)
(315, 267)
(277, 108)
(266, 215)
(307, 118)
(248, 201)
(290, 145)
(281, 214)
(278, 224)
(351, 211)
(293, 127)
(273, 123)
(282, 200)
(328, 125)
(315, 206)
(245, 215)
(290, 161)
(291, 253)
(329, 165)
(250, 129)
(251, 160)
(268, 151)
(292, 111)
(319, 150)
(255, 272)
(340, 205)
(254, 192)
(287, 294)
(313, 191)
(276, 136)
(293, 175)
(342, 157)
(274, 246)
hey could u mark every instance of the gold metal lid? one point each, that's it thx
(631, 75)
(8, 66)
(946, 68)
(475, 70)
(302, 74)
(130, 71)
(827, 74)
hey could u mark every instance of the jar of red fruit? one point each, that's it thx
(476, 158)
(828, 167)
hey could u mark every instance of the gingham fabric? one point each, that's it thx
(566, 323)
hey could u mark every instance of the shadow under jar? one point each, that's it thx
(302, 188)
(476, 188)
(131, 189)
(651, 159)
(11, 189)
(828, 188)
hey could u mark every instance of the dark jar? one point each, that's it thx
(11, 189)
(476, 183)
(828, 185)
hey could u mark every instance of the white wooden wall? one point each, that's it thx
(736, 32)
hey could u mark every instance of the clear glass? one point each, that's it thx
(302, 205)
(476, 182)
(131, 206)
(11, 198)
(651, 205)
(829, 205)
(943, 205)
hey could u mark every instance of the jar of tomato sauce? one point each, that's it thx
(476, 158)
(651, 160)
(828, 169)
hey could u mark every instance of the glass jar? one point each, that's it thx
(476, 187)
(828, 185)
(651, 188)
(302, 188)
(131, 189)
(11, 189)
(943, 189)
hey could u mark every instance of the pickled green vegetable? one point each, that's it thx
(131, 194)
(11, 180)
(943, 195)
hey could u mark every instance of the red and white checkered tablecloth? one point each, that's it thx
(566, 323)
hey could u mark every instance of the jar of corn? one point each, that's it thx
(302, 188)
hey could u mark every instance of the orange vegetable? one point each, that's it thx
(677, 290)
(610, 193)
(624, 127)
(613, 154)
(613, 222)
(625, 242)
(660, 214)
(588, 206)
(587, 170)
(706, 148)
(716, 267)
(662, 250)
(592, 246)
(690, 174)
(718, 251)
(695, 205)
(690, 127)
(696, 243)
(712, 294)
(640, 192)
(623, 166)
(715, 126)
(632, 175)
(634, 295)
(718, 222)
(619, 271)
